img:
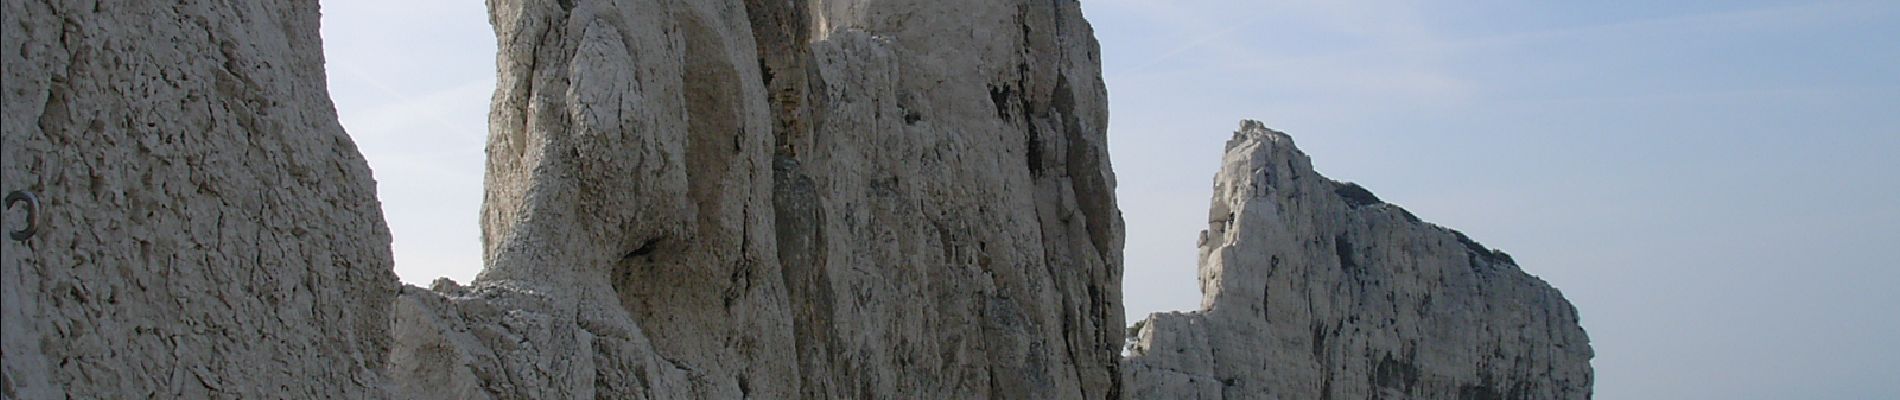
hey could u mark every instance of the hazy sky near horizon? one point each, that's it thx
(1714, 184)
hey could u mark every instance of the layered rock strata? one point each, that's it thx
(205, 228)
(1316, 289)
(767, 199)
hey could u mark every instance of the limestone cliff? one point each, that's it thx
(1316, 289)
(769, 199)
(206, 230)
(697, 199)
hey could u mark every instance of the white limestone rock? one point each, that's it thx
(764, 199)
(1315, 289)
(207, 229)
(704, 199)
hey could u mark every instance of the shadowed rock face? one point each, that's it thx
(770, 199)
(1315, 289)
(207, 229)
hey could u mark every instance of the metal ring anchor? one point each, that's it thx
(32, 214)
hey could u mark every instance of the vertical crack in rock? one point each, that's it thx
(801, 242)
(1385, 305)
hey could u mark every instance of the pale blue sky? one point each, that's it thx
(1714, 184)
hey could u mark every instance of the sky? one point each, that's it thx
(1714, 184)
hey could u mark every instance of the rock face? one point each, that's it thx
(206, 228)
(698, 199)
(772, 199)
(1315, 289)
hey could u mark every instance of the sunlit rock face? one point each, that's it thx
(205, 228)
(1316, 289)
(773, 199)
(698, 199)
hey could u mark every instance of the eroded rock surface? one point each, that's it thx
(768, 199)
(1316, 289)
(207, 229)
(699, 199)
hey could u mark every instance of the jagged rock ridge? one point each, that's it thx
(207, 231)
(709, 199)
(762, 199)
(1316, 289)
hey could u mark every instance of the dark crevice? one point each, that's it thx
(1343, 248)
(646, 248)
(1479, 392)
(1319, 340)
(911, 117)
(765, 73)
(782, 32)
(1033, 153)
(799, 232)
(999, 97)
(1395, 374)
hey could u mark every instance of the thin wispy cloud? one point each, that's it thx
(1760, 19)
(1232, 34)
(1170, 55)
(1381, 49)
(433, 107)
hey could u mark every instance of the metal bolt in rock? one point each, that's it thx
(32, 214)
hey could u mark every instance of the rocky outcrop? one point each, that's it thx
(698, 199)
(1316, 289)
(206, 230)
(768, 199)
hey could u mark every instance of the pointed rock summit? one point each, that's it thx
(1316, 289)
